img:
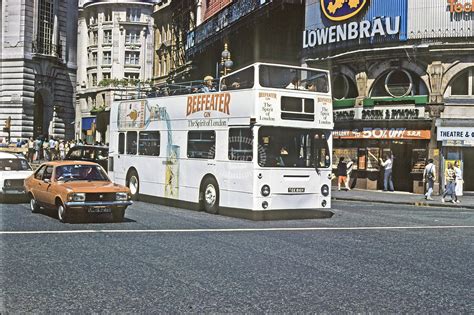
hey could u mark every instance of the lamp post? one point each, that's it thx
(226, 62)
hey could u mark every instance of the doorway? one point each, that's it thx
(38, 115)
(402, 152)
(468, 169)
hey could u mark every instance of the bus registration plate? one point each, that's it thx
(296, 190)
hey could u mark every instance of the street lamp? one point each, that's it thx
(226, 62)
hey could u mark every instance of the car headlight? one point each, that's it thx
(121, 196)
(325, 190)
(77, 197)
(7, 183)
(265, 190)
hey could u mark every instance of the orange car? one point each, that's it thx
(76, 188)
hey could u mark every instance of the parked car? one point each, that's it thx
(91, 153)
(76, 189)
(14, 168)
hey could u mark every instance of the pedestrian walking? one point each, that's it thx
(31, 149)
(37, 146)
(459, 181)
(349, 166)
(450, 180)
(341, 173)
(429, 177)
(387, 176)
(62, 150)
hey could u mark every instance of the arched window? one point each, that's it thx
(462, 84)
(399, 83)
(343, 87)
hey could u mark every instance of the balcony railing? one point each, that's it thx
(48, 49)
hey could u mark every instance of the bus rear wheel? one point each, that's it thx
(133, 184)
(210, 196)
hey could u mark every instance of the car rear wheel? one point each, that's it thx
(133, 184)
(34, 205)
(62, 213)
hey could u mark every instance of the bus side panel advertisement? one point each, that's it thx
(172, 173)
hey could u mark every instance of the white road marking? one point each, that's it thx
(364, 228)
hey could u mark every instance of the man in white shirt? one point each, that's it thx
(429, 177)
(387, 176)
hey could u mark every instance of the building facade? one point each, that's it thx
(254, 30)
(402, 83)
(38, 67)
(115, 60)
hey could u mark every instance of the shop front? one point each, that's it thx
(371, 135)
(457, 138)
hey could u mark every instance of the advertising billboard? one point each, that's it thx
(339, 24)
(440, 19)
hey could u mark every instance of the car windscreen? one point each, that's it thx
(77, 172)
(14, 165)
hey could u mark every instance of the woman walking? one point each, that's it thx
(342, 174)
(450, 180)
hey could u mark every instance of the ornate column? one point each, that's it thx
(361, 81)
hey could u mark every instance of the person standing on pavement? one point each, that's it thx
(429, 177)
(459, 181)
(387, 175)
(341, 173)
(349, 166)
(450, 180)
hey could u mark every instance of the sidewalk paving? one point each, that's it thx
(400, 197)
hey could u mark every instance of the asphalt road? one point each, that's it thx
(367, 258)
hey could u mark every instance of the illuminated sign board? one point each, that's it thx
(341, 23)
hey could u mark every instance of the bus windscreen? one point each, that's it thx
(293, 147)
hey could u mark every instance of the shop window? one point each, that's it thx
(399, 83)
(343, 87)
(463, 84)
(132, 142)
(201, 144)
(240, 144)
(121, 143)
(347, 154)
(149, 143)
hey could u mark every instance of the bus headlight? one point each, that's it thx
(265, 191)
(77, 197)
(264, 205)
(121, 196)
(324, 203)
(7, 183)
(325, 190)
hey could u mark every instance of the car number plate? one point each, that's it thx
(296, 190)
(99, 209)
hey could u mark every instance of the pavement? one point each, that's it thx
(400, 197)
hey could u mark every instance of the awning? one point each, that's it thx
(451, 122)
(87, 123)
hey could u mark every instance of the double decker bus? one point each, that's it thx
(258, 147)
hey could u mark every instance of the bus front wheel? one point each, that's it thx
(133, 184)
(210, 195)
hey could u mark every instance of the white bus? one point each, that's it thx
(258, 147)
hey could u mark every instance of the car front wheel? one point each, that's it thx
(62, 213)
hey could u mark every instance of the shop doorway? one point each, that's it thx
(402, 179)
(468, 159)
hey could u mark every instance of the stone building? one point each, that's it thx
(38, 67)
(403, 80)
(115, 60)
